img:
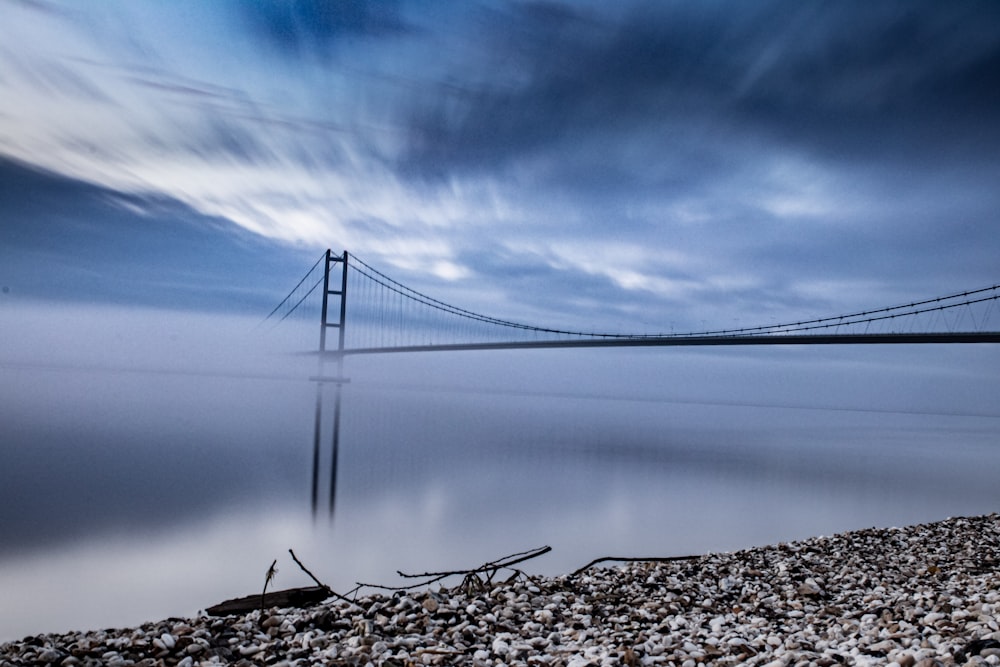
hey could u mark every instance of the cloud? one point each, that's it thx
(897, 80)
(841, 81)
(298, 28)
(774, 147)
(131, 248)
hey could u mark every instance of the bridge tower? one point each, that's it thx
(339, 292)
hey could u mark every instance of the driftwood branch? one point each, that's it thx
(330, 591)
(498, 564)
(632, 559)
(293, 597)
(489, 569)
(305, 596)
(306, 570)
(360, 584)
(310, 595)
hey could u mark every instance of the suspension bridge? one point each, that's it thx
(371, 313)
(362, 311)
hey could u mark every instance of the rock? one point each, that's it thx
(982, 647)
(861, 598)
(50, 655)
(251, 649)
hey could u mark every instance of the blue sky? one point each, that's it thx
(655, 163)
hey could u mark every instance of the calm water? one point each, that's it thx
(130, 496)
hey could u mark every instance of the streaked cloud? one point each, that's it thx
(740, 152)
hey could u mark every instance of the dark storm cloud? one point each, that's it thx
(299, 27)
(908, 80)
(65, 239)
(812, 144)
(850, 80)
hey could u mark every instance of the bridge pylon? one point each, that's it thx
(341, 295)
(339, 292)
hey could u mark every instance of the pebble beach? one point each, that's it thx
(921, 596)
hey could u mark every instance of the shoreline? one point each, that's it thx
(917, 596)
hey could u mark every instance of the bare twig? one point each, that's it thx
(654, 559)
(499, 564)
(318, 582)
(306, 570)
(489, 569)
(530, 553)
(360, 584)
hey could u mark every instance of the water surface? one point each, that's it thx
(131, 495)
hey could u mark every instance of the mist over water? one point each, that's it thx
(154, 463)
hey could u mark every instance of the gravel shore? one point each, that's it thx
(917, 596)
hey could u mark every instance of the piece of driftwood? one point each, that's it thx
(471, 581)
(292, 597)
(491, 566)
(632, 559)
(305, 596)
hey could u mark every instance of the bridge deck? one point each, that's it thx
(695, 341)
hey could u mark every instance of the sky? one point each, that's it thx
(628, 164)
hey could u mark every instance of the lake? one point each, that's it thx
(137, 485)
